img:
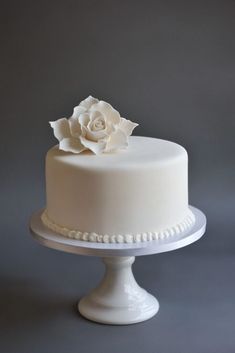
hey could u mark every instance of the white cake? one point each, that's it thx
(135, 194)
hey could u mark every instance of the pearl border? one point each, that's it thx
(188, 221)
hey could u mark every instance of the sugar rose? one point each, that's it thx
(95, 125)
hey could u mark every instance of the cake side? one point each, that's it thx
(134, 195)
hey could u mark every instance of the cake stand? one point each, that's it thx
(118, 299)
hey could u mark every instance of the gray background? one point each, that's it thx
(169, 65)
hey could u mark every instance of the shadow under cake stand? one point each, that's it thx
(118, 299)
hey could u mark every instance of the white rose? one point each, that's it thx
(94, 125)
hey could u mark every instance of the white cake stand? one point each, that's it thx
(118, 299)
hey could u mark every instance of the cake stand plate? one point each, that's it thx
(118, 299)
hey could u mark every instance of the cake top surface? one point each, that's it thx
(141, 152)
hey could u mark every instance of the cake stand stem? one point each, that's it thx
(118, 299)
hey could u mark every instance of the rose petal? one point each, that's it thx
(94, 114)
(95, 147)
(75, 127)
(117, 139)
(88, 102)
(84, 119)
(84, 131)
(108, 111)
(78, 111)
(127, 126)
(109, 128)
(71, 144)
(60, 128)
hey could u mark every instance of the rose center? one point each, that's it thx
(98, 124)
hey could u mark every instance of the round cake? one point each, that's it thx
(102, 185)
(132, 195)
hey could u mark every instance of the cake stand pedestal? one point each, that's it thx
(118, 299)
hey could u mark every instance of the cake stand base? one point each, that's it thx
(118, 299)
